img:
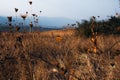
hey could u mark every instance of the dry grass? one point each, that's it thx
(38, 56)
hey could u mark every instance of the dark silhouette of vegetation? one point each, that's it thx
(10, 23)
(110, 26)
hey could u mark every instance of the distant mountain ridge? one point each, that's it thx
(51, 22)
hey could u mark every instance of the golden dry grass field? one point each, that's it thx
(58, 55)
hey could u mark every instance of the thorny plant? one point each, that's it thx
(94, 37)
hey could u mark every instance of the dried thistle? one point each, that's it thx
(33, 14)
(30, 2)
(16, 10)
(9, 18)
(94, 35)
(117, 15)
(24, 16)
(10, 24)
(31, 24)
(40, 11)
(98, 16)
(26, 12)
(93, 18)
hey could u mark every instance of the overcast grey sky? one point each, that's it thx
(74, 9)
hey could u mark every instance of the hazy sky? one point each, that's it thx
(74, 9)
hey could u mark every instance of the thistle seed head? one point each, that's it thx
(16, 9)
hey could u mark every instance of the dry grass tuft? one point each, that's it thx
(38, 56)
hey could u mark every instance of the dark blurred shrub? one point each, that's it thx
(107, 27)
